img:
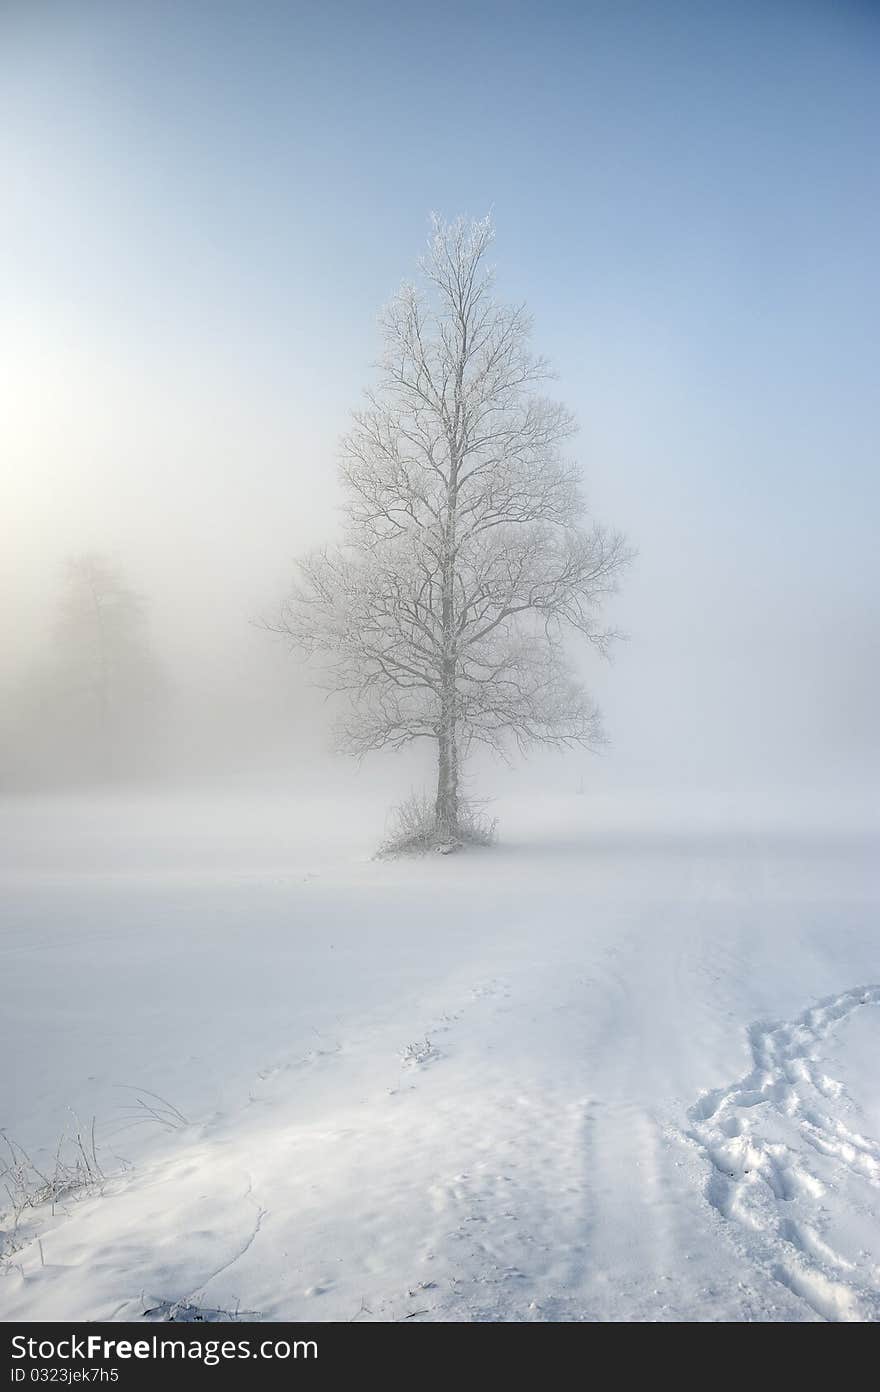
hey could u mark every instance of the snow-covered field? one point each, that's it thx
(593, 1073)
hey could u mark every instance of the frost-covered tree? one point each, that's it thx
(91, 703)
(467, 553)
(99, 640)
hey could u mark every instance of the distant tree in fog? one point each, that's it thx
(468, 554)
(92, 699)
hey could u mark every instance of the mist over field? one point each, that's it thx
(306, 553)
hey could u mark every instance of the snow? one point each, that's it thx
(597, 1072)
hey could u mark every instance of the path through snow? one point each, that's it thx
(456, 1089)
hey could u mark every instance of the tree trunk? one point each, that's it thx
(447, 774)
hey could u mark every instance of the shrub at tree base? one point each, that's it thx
(414, 829)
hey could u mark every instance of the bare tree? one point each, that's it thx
(466, 553)
(89, 705)
(95, 633)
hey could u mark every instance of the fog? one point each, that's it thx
(201, 222)
(483, 1018)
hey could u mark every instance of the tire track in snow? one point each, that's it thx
(509, 1233)
(512, 1226)
(789, 1172)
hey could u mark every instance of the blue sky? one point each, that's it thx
(208, 202)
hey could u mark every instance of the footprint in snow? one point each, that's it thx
(790, 1166)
